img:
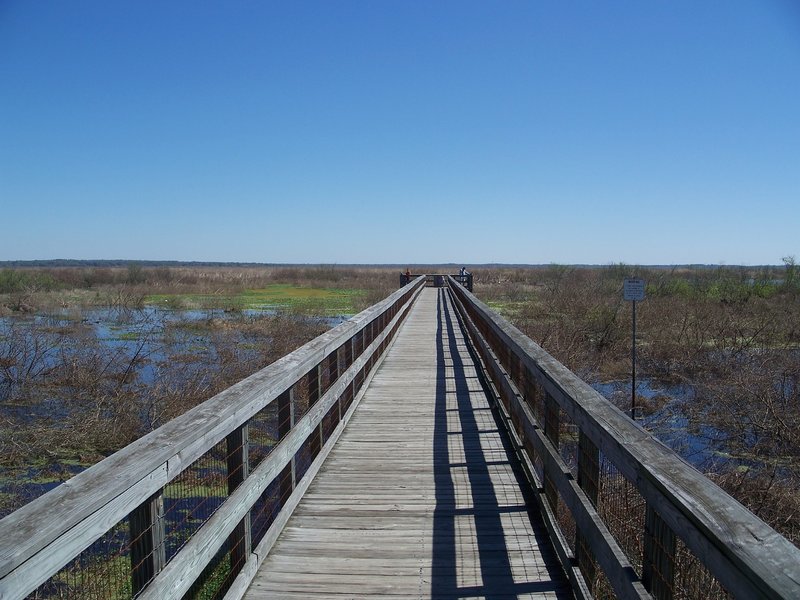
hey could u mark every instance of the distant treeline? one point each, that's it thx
(110, 263)
(68, 262)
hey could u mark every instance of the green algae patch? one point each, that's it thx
(279, 296)
(302, 299)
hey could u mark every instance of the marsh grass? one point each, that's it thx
(337, 290)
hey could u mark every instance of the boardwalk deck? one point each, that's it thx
(420, 497)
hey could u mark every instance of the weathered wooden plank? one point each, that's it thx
(658, 564)
(147, 550)
(270, 594)
(238, 463)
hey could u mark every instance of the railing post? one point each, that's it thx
(332, 368)
(337, 358)
(354, 354)
(658, 565)
(529, 394)
(238, 450)
(314, 392)
(551, 428)
(148, 553)
(288, 477)
(348, 353)
(588, 478)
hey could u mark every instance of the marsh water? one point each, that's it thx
(51, 365)
(665, 418)
(147, 336)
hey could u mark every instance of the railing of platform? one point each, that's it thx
(628, 516)
(438, 279)
(191, 509)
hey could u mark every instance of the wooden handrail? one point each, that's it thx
(749, 558)
(43, 536)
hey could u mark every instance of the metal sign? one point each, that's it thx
(633, 289)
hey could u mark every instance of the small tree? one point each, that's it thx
(135, 273)
(790, 274)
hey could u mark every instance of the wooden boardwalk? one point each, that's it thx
(420, 497)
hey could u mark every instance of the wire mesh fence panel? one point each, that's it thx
(588, 468)
(358, 345)
(358, 381)
(568, 442)
(622, 509)
(305, 456)
(193, 496)
(268, 505)
(538, 467)
(300, 399)
(346, 398)
(594, 576)
(331, 371)
(537, 402)
(565, 522)
(215, 579)
(100, 572)
(329, 422)
(692, 579)
(347, 358)
(263, 433)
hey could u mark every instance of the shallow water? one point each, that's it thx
(669, 423)
(154, 344)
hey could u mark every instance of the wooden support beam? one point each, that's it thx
(238, 450)
(588, 479)
(658, 564)
(314, 388)
(286, 420)
(148, 553)
(551, 431)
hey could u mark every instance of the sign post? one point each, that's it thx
(633, 291)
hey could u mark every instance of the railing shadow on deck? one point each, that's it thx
(628, 517)
(191, 509)
(481, 506)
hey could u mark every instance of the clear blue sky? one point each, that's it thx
(401, 131)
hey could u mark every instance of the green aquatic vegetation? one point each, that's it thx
(213, 579)
(128, 336)
(176, 491)
(329, 301)
(507, 308)
(7, 501)
(102, 577)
